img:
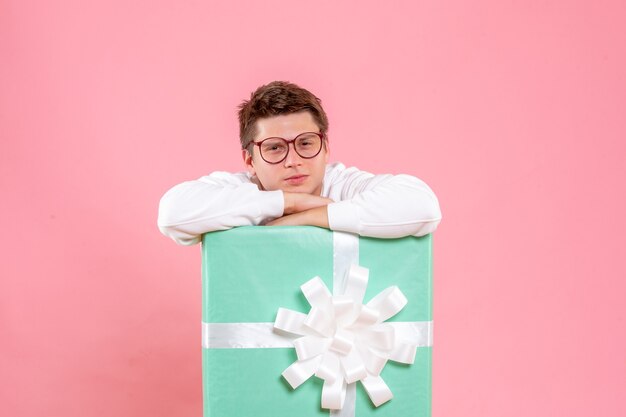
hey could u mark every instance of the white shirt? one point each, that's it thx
(383, 206)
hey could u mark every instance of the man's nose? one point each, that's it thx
(292, 156)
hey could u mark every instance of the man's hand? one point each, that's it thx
(303, 209)
(299, 202)
(317, 216)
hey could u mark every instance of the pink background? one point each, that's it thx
(512, 111)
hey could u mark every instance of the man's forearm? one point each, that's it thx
(298, 202)
(317, 216)
(215, 202)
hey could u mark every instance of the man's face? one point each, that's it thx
(294, 174)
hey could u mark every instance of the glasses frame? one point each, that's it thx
(288, 142)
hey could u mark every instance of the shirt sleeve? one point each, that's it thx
(218, 201)
(382, 206)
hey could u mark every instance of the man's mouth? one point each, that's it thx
(296, 179)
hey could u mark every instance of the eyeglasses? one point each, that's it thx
(275, 150)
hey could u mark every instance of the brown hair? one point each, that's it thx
(277, 98)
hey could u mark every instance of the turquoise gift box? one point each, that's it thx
(248, 273)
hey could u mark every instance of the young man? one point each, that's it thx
(283, 133)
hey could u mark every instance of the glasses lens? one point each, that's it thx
(273, 149)
(308, 145)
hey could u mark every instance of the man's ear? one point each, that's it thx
(247, 160)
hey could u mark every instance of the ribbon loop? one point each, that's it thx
(381, 336)
(342, 342)
(310, 346)
(377, 390)
(366, 317)
(321, 321)
(373, 361)
(345, 309)
(403, 353)
(329, 369)
(300, 371)
(316, 293)
(353, 367)
(290, 321)
(334, 394)
(345, 341)
(388, 303)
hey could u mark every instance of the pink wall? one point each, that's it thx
(512, 111)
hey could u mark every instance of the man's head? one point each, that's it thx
(284, 110)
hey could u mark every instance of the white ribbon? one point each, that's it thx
(261, 335)
(341, 340)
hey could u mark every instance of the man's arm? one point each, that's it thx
(221, 201)
(312, 217)
(218, 201)
(383, 206)
(300, 202)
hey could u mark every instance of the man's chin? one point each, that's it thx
(302, 190)
(287, 188)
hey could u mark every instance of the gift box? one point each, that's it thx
(249, 273)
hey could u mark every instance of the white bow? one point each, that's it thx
(344, 340)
